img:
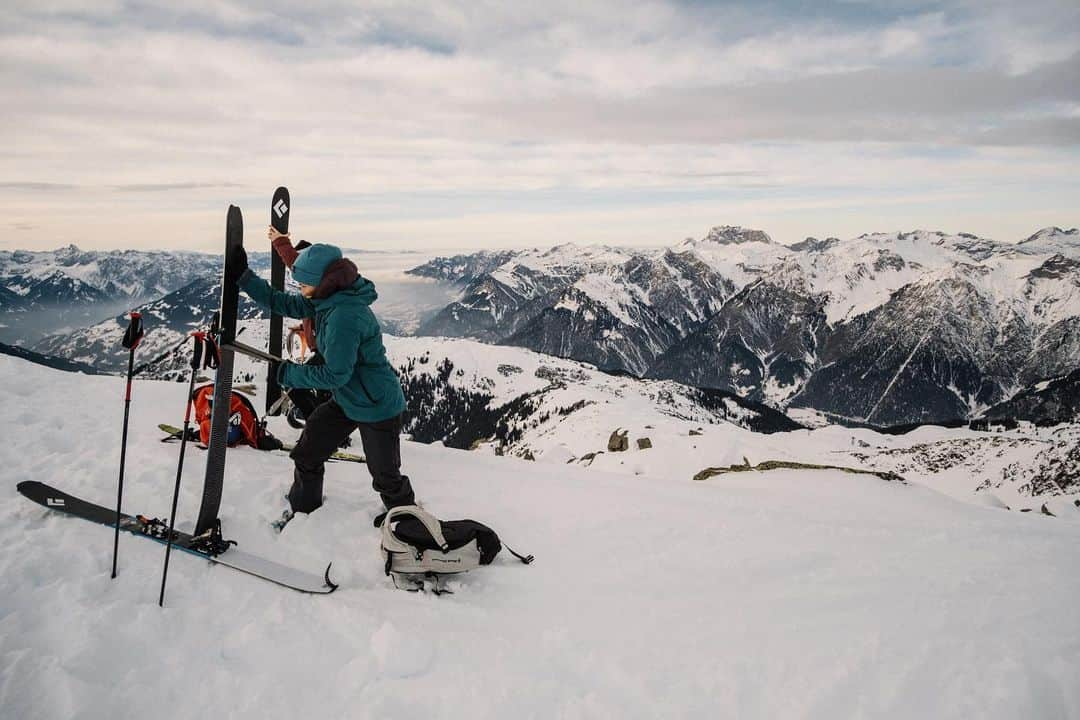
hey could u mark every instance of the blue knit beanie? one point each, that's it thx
(312, 263)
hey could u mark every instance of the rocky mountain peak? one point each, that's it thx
(735, 235)
(1054, 233)
(1056, 267)
(813, 245)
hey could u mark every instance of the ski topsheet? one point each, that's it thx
(279, 219)
(234, 558)
(219, 417)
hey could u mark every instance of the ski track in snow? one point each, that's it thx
(752, 595)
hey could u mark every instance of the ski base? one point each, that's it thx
(217, 553)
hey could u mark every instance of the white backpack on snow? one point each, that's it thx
(416, 546)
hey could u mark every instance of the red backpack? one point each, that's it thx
(244, 423)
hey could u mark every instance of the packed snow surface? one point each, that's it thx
(789, 594)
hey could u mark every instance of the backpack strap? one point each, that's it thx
(527, 559)
(391, 543)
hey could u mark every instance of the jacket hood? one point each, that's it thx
(341, 285)
(338, 275)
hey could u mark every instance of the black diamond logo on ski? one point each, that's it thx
(281, 208)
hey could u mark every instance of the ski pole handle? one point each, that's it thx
(134, 333)
(197, 354)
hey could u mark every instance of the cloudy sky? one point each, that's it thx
(473, 124)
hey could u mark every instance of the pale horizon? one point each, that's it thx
(449, 250)
(444, 127)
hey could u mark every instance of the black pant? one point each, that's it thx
(326, 428)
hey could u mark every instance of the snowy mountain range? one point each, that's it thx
(511, 401)
(404, 302)
(167, 321)
(882, 328)
(69, 288)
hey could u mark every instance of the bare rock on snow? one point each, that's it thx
(619, 440)
(588, 458)
(791, 465)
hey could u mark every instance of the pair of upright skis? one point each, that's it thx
(206, 541)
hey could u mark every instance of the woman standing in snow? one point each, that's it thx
(366, 392)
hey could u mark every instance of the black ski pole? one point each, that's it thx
(132, 337)
(196, 360)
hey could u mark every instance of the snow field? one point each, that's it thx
(795, 594)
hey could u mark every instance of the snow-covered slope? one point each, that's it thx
(624, 316)
(463, 269)
(1051, 401)
(762, 344)
(499, 299)
(739, 254)
(792, 593)
(1053, 240)
(516, 402)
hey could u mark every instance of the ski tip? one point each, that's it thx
(329, 583)
(28, 487)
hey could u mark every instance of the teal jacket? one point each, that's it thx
(350, 341)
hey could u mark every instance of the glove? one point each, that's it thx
(238, 264)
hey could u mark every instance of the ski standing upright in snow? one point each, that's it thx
(219, 419)
(279, 219)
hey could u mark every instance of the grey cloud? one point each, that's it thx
(1062, 131)
(937, 105)
(928, 91)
